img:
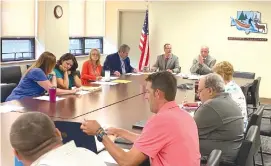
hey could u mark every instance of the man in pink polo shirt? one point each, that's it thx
(169, 138)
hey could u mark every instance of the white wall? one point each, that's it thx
(186, 25)
(189, 25)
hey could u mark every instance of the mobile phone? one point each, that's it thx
(120, 140)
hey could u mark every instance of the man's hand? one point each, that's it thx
(201, 60)
(116, 73)
(134, 71)
(90, 127)
(113, 131)
(169, 70)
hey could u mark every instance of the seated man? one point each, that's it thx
(37, 142)
(167, 61)
(169, 138)
(219, 119)
(119, 63)
(203, 64)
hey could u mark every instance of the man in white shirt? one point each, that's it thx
(37, 142)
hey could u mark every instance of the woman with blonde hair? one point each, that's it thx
(35, 81)
(225, 69)
(92, 69)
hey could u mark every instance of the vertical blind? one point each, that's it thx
(18, 18)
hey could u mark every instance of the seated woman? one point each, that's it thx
(65, 70)
(92, 69)
(225, 69)
(35, 81)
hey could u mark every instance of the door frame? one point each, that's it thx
(119, 21)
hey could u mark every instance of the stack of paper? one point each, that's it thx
(133, 74)
(121, 81)
(107, 157)
(194, 77)
(105, 83)
(9, 108)
(111, 78)
(47, 98)
(91, 88)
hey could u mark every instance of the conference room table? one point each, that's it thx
(118, 105)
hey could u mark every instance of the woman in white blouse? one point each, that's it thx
(225, 69)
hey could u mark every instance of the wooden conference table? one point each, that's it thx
(119, 105)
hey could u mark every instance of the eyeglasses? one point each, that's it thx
(200, 90)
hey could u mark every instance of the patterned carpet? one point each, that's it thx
(266, 141)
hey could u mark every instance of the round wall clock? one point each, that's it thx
(58, 11)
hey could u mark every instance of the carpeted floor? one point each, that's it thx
(266, 141)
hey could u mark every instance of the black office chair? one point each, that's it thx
(28, 65)
(214, 158)
(6, 90)
(247, 150)
(248, 75)
(253, 93)
(78, 73)
(256, 119)
(11, 74)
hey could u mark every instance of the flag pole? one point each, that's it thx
(147, 6)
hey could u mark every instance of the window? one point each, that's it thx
(83, 45)
(93, 43)
(76, 46)
(17, 49)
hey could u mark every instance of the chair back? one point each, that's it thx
(248, 75)
(245, 90)
(214, 158)
(254, 91)
(11, 74)
(247, 149)
(78, 73)
(6, 90)
(71, 131)
(256, 118)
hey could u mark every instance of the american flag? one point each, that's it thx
(144, 44)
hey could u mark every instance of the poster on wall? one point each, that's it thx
(250, 22)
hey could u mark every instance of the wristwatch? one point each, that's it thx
(100, 134)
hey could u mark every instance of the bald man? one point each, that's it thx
(204, 63)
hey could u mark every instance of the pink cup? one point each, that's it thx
(52, 94)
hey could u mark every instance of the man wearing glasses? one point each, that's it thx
(219, 119)
(203, 63)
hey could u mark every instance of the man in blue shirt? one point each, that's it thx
(119, 63)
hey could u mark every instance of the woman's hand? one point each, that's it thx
(98, 78)
(62, 68)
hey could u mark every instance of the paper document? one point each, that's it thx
(111, 78)
(107, 157)
(190, 110)
(9, 108)
(121, 81)
(104, 83)
(82, 92)
(134, 74)
(91, 88)
(193, 77)
(47, 98)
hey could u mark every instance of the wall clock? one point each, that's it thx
(58, 11)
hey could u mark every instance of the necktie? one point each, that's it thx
(166, 60)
